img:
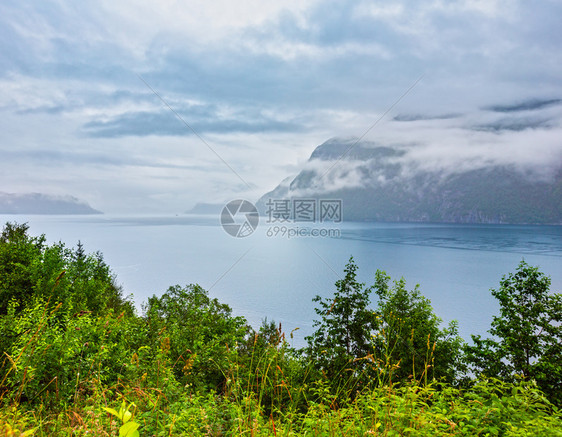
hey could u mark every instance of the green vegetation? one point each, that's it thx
(78, 360)
(528, 333)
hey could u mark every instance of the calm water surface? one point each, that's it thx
(276, 277)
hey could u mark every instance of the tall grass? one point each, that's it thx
(269, 390)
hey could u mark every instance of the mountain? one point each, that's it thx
(381, 183)
(36, 203)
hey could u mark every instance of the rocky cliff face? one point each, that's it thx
(379, 183)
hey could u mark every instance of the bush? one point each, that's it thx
(200, 333)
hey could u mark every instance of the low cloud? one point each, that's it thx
(513, 124)
(529, 105)
(418, 117)
(329, 176)
(442, 145)
(166, 123)
(531, 144)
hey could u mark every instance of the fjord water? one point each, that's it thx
(277, 277)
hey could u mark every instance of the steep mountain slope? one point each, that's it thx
(380, 183)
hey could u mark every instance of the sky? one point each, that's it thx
(154, 106)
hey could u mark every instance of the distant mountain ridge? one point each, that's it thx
(375, 184)
(37, 203)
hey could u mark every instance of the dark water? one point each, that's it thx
(277, 277)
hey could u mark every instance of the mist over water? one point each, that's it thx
(277, 277)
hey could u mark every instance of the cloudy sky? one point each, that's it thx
(153, 106)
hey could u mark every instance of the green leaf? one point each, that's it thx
(127, 416)
(111, 411)
(128, 429)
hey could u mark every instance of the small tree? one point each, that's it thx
(18, 251)
(399, 340)
(343, 331)
(29, 268)
(527, 334)
(410, 338)
(199, 332)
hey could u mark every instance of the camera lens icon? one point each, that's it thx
(240, 218)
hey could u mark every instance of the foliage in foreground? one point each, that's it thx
(527, 337)
(75, 363)
(491, 407)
